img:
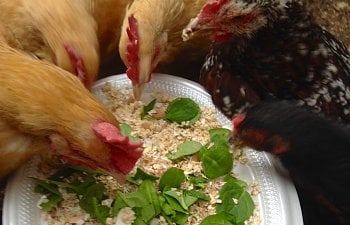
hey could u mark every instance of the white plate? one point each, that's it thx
(278, 201)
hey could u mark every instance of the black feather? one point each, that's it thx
(318, 158)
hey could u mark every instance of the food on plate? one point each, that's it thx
(184, 177)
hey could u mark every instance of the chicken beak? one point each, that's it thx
(190, 29)
(144, 76)
(137, 90)
(196, 24)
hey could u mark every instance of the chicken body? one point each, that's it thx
(109, 15)
(313, 148)
(272, 49)
(151, 36)
(63, 33)
(43, 107)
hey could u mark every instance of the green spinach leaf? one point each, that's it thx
(147, 108)
(217, 161)
(182, 109)
(185, 149)
(217, 219)
(126, 130)
(172, 178)
(52, 201)
(140, 176)
(237, 204)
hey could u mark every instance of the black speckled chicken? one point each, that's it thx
(314, 149)
(272, 49)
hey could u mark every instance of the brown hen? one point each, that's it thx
(151, 37)
(44, 108)
(63, 33)
(109, 16)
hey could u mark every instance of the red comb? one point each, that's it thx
(124, 152)
(109, 133)
(78, 64)
(211, 8)
(237, 121)
(132, 49)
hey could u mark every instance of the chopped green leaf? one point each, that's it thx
(118, 204)
(197, 194)
(174, 204)
(172, 178)
(232, 179)
(86, 201)
(178, 196)
(192, 196)
(182, 109)
(198, 181)
(140, 203)
(133, 199)
(237, 204)
(45, 187)
(144, 202)
(181, 218)
(147, 213)
(185, 149)
(139, 221)
(218, 219)
(100, 212)
(149, 191)
(217, 161)
(75, 189)
(193, 120)
(168, 213)
(168, 210)
(218, 135)
(140, 175)
(126, 130)
(147, 108)
(189, 199)
(52, 201)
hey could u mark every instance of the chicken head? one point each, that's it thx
(226, 18)
(45, 108)
(150, 38)
(140, 55)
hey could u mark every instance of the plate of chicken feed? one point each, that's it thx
(189, 174)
